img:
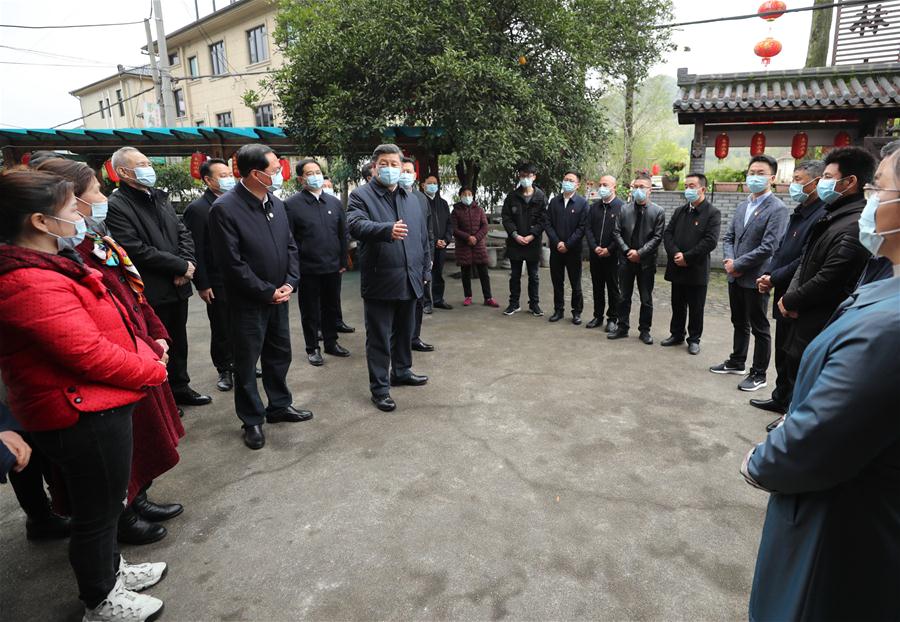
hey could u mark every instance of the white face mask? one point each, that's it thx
(868, 237)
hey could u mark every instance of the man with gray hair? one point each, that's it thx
(141, 218)
(878, 268)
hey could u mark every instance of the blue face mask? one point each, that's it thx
(867, 235)
(145, 175)
(277, 181)
(639, 195)
(467, 199)
(431, 189)
(605, 192)
(826, 191)
(329, 191)
(526, 182)
(226, 183)
(389, 175)
(757, 183)
(691, 194)
(98, 210)
(568, 186)
(407, 180)
(70, 241)
(797, 194)
(315, 181)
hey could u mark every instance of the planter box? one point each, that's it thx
(727, 186)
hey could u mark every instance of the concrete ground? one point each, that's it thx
(544, 473)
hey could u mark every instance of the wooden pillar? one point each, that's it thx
(698, 150)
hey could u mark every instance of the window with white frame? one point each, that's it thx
(217, 58)
(258, 44)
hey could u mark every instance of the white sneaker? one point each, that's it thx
(138, 577)
(122, 605)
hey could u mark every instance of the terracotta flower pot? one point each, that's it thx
(670, 183)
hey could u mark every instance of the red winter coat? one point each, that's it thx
(156, 424)
(65, 345)
(468, 221)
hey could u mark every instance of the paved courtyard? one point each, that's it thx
(544, 473)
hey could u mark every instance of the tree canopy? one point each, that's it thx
(508, 80)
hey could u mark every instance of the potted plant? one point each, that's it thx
(727, 179)
(670, 174)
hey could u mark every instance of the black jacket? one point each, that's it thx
(389, 269)
(253, 246)
(649, 237)
(429, 223)
(158, 243)
(829, 270)
(320, 230)
(196, 219)
(522, 217)
(602, 223)
(695, 233)
(566, 223)
(440, 218)
(787, 257)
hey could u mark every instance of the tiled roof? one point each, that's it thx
(818, 88)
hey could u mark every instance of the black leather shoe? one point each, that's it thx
(342, 327)
(337, 350)
(258, 372)
(155, 512)
(384, 403)
(594, 323)
(420, 346)
(557, 316)
(189, 397)
(289, 415)
(315, 358)
(646, 338)
(576, 319)
(770, 405)
(226, 381)
(410, 379)
(135, 530)
(50, 527)
(617, 334)
(428, 309)
(611, 326)
(693, 348)
(443, 305)
(671, 341)
(254, 437)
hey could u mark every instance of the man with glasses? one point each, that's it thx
(638, 234)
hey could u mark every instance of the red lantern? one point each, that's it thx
(766, 49)
(234, 166)
(771, 6)
(722, 145)
(758, 144)
(25, 159)
(111, 172)
(197, 159)
(799, 144)
(654, 170)
(285, 168)
(842, 139)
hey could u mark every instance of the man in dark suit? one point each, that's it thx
(342, 326)
(443, 235)
(256, 252)
(216, 174)
(566, 222)
(638, 234)
(604, 254)
(523, 216)
(408, 183)
(689, 238)
(393, 259)
(143, 221)
(809, 210)
(319, 226)
(750, 240)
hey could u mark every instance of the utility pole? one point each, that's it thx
(168, 97)
(154, 70)
(819, 36)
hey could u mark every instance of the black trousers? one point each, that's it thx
(786, 366)
(687, 299)
(340, 312)
(515, 281)
(437, 275)
(29, 483)
(562, 264)
(220, 348)
(605, 283)
(389, 333)
(483, 276)
(420, 312)
(262, 332)
(645, 275)
(174, 318)
(319, 299)
(748, 314)
(94, 456)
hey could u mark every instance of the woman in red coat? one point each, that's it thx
(74, 371)
(157, 426)
(470, 227)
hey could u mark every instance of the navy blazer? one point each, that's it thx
(253, 246)
(319, 226)
(196, 219)
(829, 547)
(751, 246)
(386, 265)
(566, 223)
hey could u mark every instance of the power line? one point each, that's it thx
(70, 25)
(13, 62)
(235, 74)
(731, 18)
(53, 55)
(90, 114)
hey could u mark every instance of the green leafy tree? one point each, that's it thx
(175, 178)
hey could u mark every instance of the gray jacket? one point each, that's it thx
(752, 246)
